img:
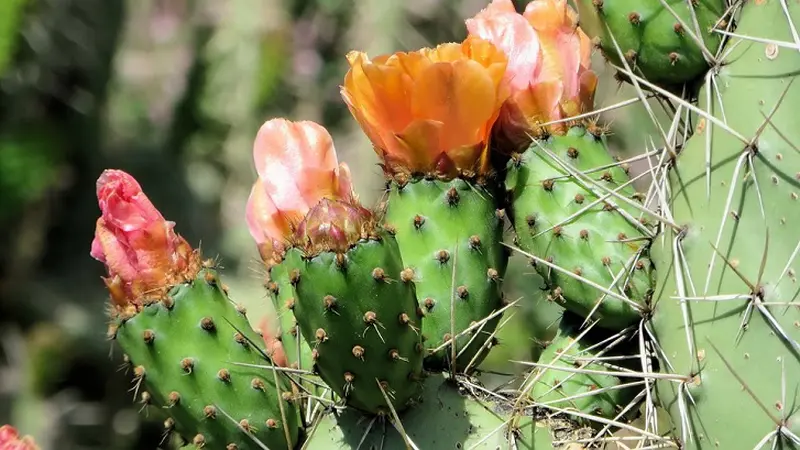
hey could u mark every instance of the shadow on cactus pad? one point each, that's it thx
(446, 420)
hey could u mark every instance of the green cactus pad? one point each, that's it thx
(655, 43)
(362, 322)
(599, 244)
(184, 350)
(567, 389)
(439, 224)
(298, 352)
(445, 420)
(722, 344)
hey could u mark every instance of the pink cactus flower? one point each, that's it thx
(143, 254)
(548, 65)
(297, 167)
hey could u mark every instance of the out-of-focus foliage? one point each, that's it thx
(173, 91)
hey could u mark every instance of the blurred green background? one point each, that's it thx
(173, 91)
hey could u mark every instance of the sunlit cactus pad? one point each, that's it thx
(190, 354)
(360, 318)
(727, 317)
(449, 235)
(565, 215)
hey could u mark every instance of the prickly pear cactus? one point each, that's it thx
(725, 317)
(659, 39)
(573, 378)
(445, 419)
(449, 235)
(358, 312)
(582, 237)
(194, 354)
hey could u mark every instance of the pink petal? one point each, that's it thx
(261, 214)
(512, 34)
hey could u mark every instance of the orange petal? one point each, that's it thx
(461, 95)
(551, 16)
(418, 146)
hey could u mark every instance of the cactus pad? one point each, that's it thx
(438, 225)
(556, 219)
(726, 314)
(183, 352)
(360, 318)
(654, 42)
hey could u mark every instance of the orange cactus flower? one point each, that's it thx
(548, 64)
(297, 167)
(141, 250)
(432, 110)
(10, 440)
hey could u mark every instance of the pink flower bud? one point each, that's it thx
(10, 440)
(143, 254)
(297, 167)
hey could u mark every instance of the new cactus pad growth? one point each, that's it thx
(665, 41)
(565, 217)
(432, 134)
(727, 316)
(191, 350)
